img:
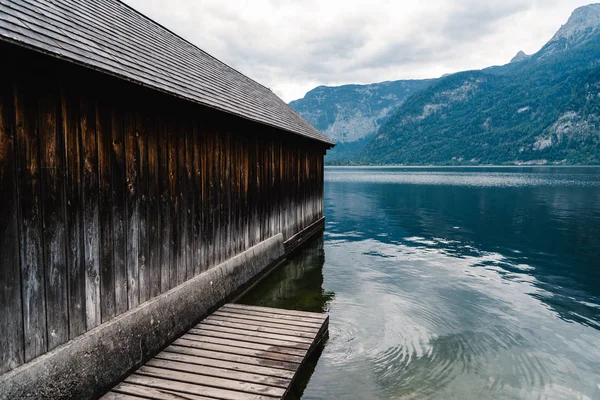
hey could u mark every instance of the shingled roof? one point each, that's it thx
(111, 37)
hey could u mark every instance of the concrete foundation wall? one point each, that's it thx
(85, 366)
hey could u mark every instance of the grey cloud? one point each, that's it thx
(291, 45)
(479, 18)
(340, 45)
(444, 38)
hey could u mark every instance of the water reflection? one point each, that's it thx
(297, 285)
(455, 284)
(553, 230)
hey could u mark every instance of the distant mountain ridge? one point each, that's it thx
(350, 113)
(539, 108)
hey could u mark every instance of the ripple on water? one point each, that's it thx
(422, 323)
(459, 285)
(404, 372)
(346, 335)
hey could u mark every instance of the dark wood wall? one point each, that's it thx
(111, 194)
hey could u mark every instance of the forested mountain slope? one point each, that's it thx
(542, 108)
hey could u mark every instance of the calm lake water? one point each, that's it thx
(451, 283)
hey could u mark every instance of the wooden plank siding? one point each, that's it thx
(111, 194)
(11, 314)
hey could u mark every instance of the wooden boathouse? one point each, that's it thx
(143, 183)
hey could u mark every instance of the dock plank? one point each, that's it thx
(306, 314)
(287, 322)
(303, 329)
(265, 335)
(271, 315)
(217, 355)
(249, 338)
(218, 372)
(255, 328)
(175, 386)
(237, 353)
(246, 345)
(230, 365)
(147, 392)
(210, 381)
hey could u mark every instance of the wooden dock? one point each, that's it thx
(237, 353)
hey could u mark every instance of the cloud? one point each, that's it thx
(292, 46)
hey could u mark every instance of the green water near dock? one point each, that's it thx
(451, 283)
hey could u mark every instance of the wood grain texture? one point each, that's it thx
(250, 310)
(263, 312)
(173, 205)
(252, 318)
(113, 194)
(30, 214)
(150, 393)
(74, 213)
(269, 351)
(154, 207)
(11, 313)
(189, 193)
(186, 355)
(212, 176)
(256, 327)
(217, 203)
(53, 219)
(91, 212)
(119, 188)
(178, 365)
(250, 323)
(164, 212)
(208, 382)
(104, 125)
(197, 196)
(212, 361)
(133, 169)
(143, 199)
(153, 380)
(182, 194)
(249, 338)
(259, 334)
(188, 347)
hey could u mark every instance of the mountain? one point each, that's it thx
(521, 56)
(349, 114)
(582, 26)
(542, 108)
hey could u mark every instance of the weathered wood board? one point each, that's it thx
(111, 194)
(239, 352)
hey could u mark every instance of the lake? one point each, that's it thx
(451, 283)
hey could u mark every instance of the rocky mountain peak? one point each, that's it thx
(583, 22)
(519, 57)
(582, 26)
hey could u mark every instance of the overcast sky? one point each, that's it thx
(292, 46)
